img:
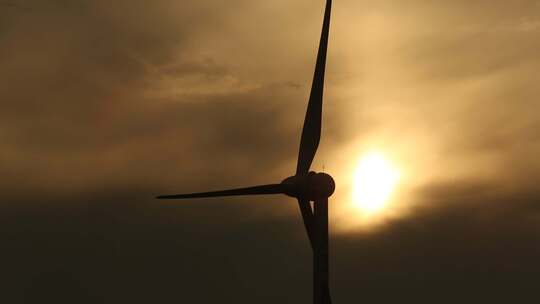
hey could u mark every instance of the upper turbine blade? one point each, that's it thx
(256, 190)
(311, 132)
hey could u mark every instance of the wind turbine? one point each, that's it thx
(305, 185)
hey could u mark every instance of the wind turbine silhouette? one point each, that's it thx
(305, 185)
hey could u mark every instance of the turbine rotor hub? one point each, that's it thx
(311, 186)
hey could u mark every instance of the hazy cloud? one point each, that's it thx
(105, 104)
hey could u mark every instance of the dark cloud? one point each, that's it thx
(478, 243)
(475, 243)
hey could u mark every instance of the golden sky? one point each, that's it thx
(107, 103)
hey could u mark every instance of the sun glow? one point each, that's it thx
(374, 180)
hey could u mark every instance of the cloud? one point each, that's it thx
(475, 240)
(105, 105)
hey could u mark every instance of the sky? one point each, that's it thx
(107, 104)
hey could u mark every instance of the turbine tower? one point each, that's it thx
(306, 186)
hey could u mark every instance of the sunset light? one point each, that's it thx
(374, 180)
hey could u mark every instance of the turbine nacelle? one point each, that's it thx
(311, 186)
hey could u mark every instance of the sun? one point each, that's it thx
(375, 178)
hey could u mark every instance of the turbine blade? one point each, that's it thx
(307, 217)
(256, 190)
(321, 269)
(326, 298)
(311, 132)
